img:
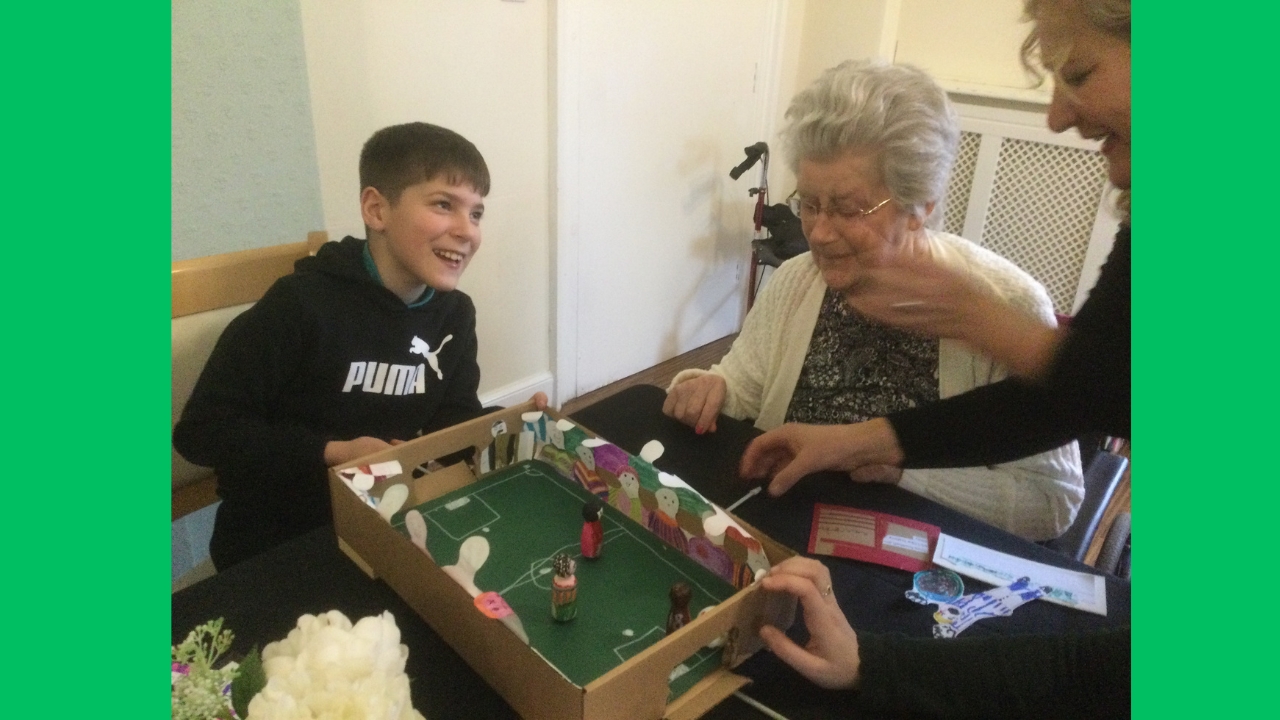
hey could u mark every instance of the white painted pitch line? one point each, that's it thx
(496, 517)
(531, 576)
(618, 649)
(524, 471)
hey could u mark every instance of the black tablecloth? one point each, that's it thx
(262, 598)
(871, 596)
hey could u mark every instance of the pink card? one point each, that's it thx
(872, 537)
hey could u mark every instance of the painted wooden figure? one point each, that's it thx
(592, 530)
(564, 588)
(679, 615)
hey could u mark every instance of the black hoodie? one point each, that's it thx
(327, 354)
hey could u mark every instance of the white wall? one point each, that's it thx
(815, 35)
(655, 102)
(839, 30)
(968, 45)
(478, 67)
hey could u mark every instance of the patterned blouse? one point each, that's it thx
(857, 369)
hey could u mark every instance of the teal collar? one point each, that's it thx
(369, 265)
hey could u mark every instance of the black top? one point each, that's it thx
(327, 354)
(1021, 676)
(1076, 676)
(1086, 391)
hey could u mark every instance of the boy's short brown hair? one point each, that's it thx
(402, 155)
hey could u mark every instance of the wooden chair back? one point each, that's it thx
(208, 293)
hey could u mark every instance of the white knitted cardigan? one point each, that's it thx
(1035, 497)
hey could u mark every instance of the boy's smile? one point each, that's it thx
(426, 237)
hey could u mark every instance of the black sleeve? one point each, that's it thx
(231, 420)
(461, 401)
(1086, 390)
(1021, 676)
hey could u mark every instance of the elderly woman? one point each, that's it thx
(1069, 382)
(872, 146)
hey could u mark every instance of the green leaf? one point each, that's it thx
(249, 682)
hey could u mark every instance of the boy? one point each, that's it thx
(365, 344)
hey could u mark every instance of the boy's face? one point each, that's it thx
(428, 235)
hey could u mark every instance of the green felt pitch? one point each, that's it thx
(529, 513)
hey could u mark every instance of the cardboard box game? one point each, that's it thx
(541, 679)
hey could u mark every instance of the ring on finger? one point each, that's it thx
(826, 592)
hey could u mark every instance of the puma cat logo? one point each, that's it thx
(420, 347)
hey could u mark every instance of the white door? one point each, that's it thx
(655, 102)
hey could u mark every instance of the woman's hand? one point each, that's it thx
(790, 452)
(830, 659)
(696, 402)
(919, 294)
(916, 293)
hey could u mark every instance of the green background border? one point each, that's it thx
(86, 176)
(87, 191)
(1204, 369)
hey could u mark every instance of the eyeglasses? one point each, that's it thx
(807, 210)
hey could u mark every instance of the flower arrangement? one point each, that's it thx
(326, 669)
(199, 690)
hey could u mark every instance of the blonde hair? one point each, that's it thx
(1108, 16)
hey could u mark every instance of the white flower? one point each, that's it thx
(328, 670)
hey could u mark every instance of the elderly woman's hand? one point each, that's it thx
(790, 452)
(696, 402)
(830, 659)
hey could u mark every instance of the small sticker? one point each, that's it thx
(919, 543)
(938, 585)
(492, 605)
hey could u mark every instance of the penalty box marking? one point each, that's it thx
(618, 649)
(461, 502)
(454, 506)
(701, 655)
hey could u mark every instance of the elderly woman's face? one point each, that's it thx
(845, 245)
(1091, 84)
